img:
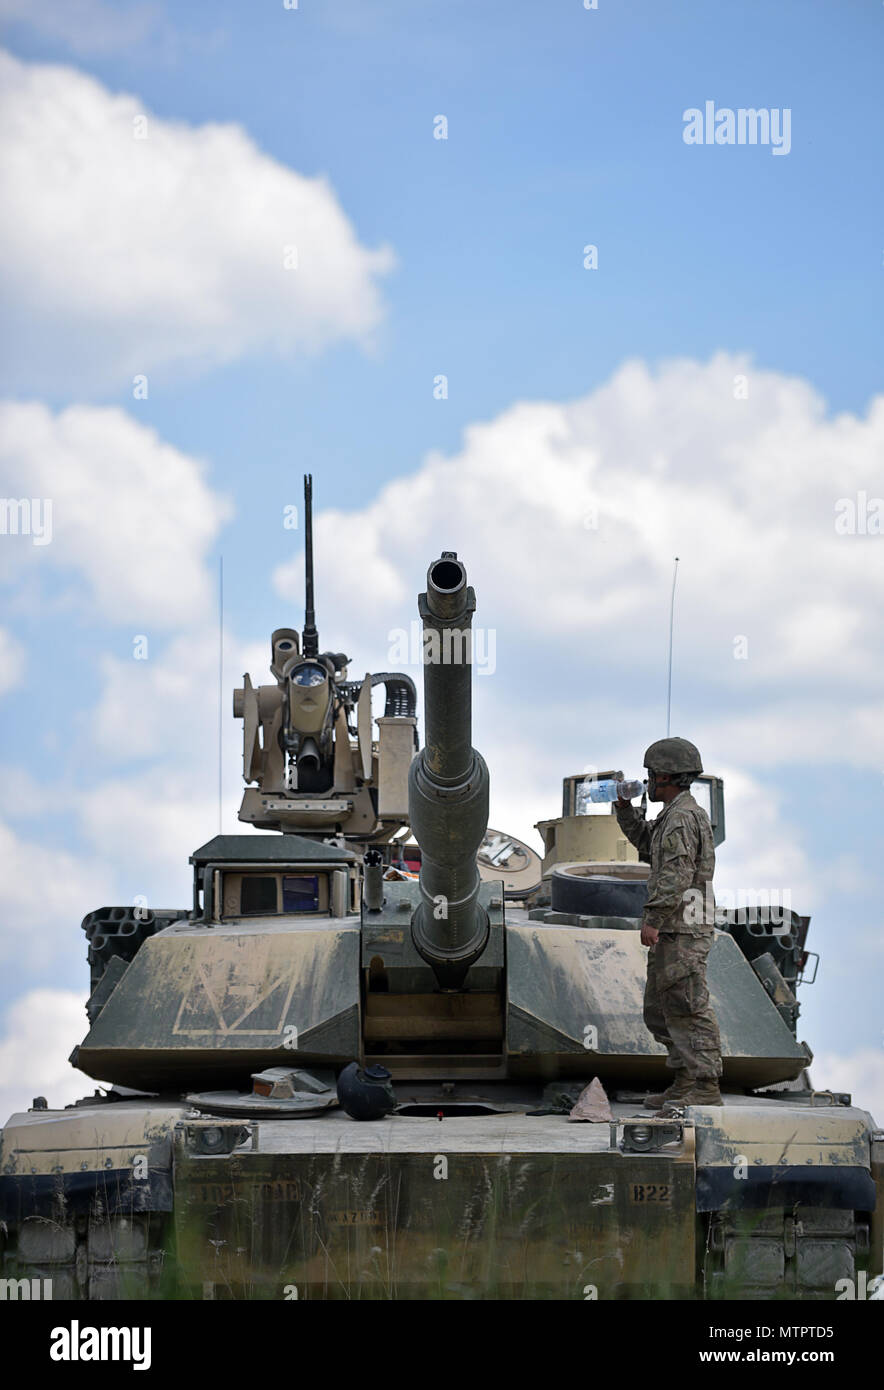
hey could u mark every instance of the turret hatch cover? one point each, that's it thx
(502, 856)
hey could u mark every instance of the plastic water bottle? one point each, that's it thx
(608, 789)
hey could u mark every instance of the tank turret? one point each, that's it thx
(283, 1050)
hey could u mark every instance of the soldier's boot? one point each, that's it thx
(680, 1086)
(704, 1091)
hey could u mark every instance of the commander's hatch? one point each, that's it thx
(706, 789)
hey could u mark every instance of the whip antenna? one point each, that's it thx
(220, 679)
(671, 623)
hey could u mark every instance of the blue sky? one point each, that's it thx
(564, 129)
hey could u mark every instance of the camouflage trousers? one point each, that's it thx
(677, 1009)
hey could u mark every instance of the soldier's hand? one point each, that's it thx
(649, 935)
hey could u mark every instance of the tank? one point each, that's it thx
(348, 1068)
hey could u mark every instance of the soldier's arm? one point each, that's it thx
(678, 860)
(636, 829)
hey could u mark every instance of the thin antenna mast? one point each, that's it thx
(310, 642)
(220, 676)
(671, 623)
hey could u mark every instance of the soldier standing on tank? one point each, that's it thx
(678, 846)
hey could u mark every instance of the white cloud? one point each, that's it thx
(166, 706)
(41, 1029)
(762, 856)
(149, 824)
(860, 1073)
(132, 520)
(131, 514)
(12, 661)
(46, 893)
(163, 712)
(569, 516)
(21, 794)
(139, 825)
(121, 256)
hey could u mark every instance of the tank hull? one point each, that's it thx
(494, 1204)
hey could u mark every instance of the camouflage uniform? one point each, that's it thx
(678, 846)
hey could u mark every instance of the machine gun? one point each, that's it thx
(307, 740)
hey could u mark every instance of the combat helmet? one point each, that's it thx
(673, 755)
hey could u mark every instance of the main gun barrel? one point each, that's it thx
(448, 783)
